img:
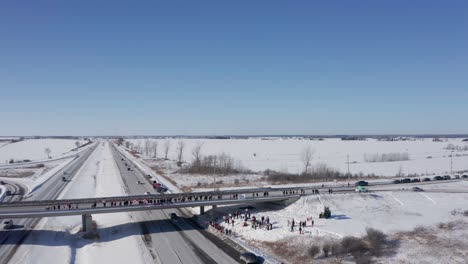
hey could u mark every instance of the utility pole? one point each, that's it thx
(348, 168)
(451, 163)
(214, 176)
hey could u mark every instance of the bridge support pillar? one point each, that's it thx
(87, 222)
(213, 209)
(202, 209)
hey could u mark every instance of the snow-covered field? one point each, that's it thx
(390, 212)
(34, 149)
(285, 154)
(56, 240)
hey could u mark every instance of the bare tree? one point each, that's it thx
(154, 147)
(306, 157)
(77, 144)
(180, 152)
(196, 153)
(147, 147)
(47, 151)
(167, 146)
(127, 144)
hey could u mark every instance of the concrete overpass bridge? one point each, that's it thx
(86, 207)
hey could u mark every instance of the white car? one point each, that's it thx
(147, 193)
(8, 224)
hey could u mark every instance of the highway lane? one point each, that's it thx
(167, 241)
(51, 189)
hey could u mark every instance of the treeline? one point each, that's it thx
(456, 148)
(319, 172)
(220, 164)
(386, 157)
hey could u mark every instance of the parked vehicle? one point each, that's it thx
(446, 177)
(396, 181)
(361, 183)
(417, 189)
(407, 180)
(8, 224)
(438, 178)
(361, 189)
(465, 176)
(426, 179)
(416, 180)
(248, 258)
(457, 176)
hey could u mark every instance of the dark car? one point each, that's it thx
(426, 179)
(361, 183)
(446, 177)
(248, 258)
(415, 180)
(417, 189)
(465, 176)
(407, 180)
(396, 181)
(438, 178)
(2, 182)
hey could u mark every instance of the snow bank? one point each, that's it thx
(3, 190)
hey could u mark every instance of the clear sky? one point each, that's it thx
(233, 67)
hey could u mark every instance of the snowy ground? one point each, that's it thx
(284, 154)
(390, 212)
(118, 242)
(34, 149)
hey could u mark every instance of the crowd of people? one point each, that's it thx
(301, 225)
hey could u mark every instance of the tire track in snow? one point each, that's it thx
(396, 199)
(429, 198)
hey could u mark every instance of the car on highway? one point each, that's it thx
(173, 216)
(464, 176)
(361, 183)
(407, 180)
(248, 258)
(129, 169)
(437, 178)
(8, 224)
(417, 189)
(415, 180)
(446, 177)
(2, 182)
(396, 181)
(426, 179)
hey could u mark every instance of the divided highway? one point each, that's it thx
(50, 190)
(169, 242)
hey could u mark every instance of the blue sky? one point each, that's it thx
(233, 67)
